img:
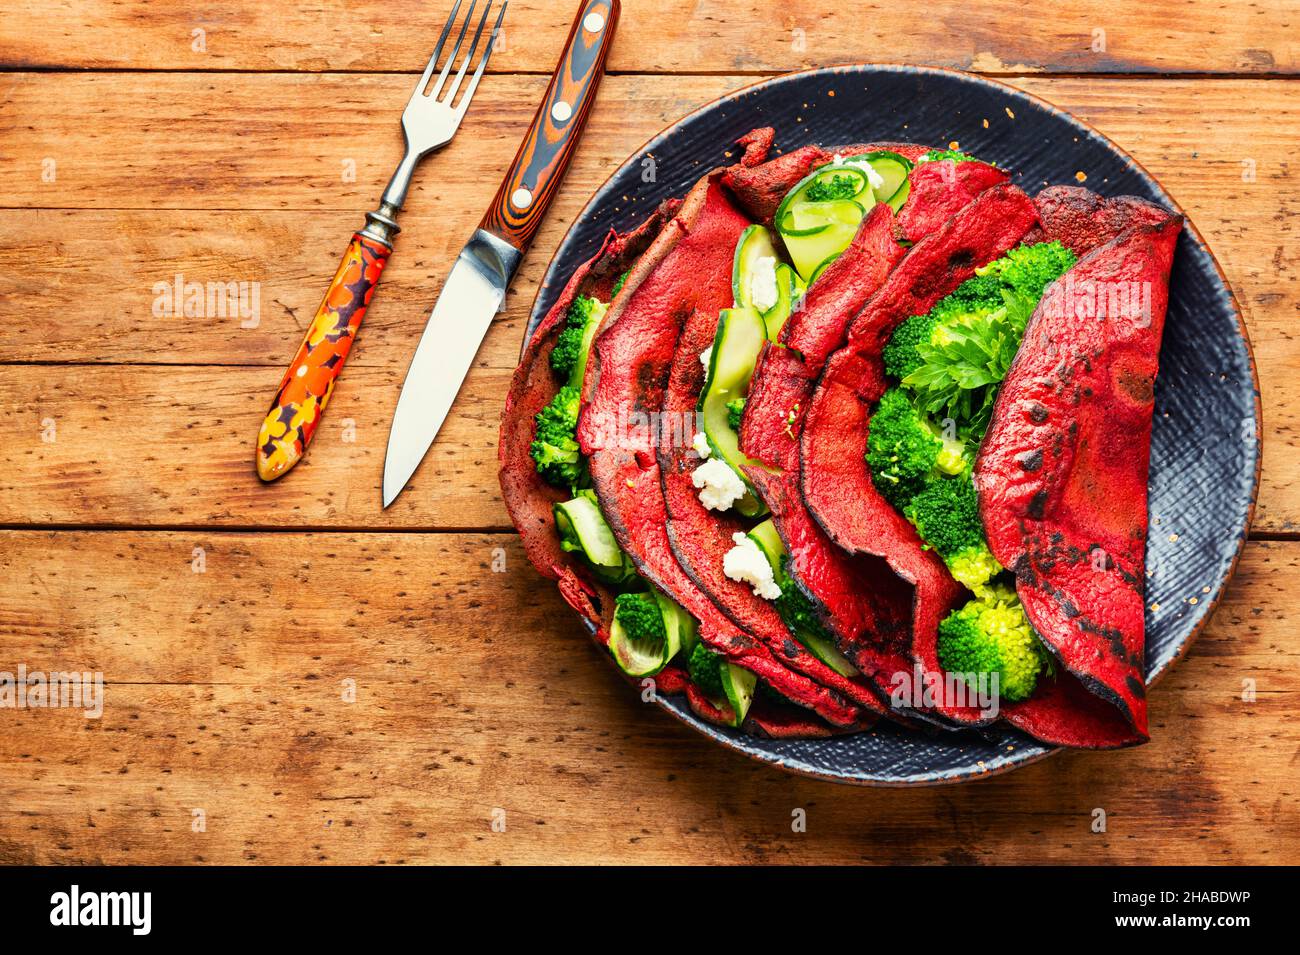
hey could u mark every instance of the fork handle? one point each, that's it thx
(307, 385)
(544, 155)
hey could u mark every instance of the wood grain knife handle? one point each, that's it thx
(543, 157)
(306, 387)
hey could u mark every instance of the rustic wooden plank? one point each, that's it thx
(667, 35)
(218, 141)
(98, 268)
(476, 691)
(132, 444)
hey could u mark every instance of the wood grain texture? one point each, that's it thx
(476, 691)
(994, 36)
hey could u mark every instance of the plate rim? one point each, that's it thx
(1012, 763)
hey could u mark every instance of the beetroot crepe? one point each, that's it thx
(687, 269)
(1062, 472)
(527, 497)
(839, 489)
(836, 483)
(865, 606)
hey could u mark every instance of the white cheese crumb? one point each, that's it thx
(874, 179)
(749, 565)
(762, 283)
(701, 444)
(706, 357)
(719, 486)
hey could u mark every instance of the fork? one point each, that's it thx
(429, 122)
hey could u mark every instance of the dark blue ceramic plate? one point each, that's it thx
(1205, 453)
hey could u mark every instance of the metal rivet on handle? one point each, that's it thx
(521, 199)
(593, 23)
(561, 112)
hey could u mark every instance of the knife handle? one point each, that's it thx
(307, 385)
(544, 155)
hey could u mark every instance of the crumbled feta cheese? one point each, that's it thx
(749, 565)
(701, 444)
(706, 357)
(762, 283)
(837, 160)
(719, 486)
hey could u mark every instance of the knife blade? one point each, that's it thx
(476, 285)
(470, 298)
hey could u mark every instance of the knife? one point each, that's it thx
(476, 286)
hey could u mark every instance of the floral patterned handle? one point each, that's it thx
(305, 391)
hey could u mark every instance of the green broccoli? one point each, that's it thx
(569, 356)
(935, 155)
(954, 358)
(833, 188)
(900, 354)
(735, 408)
(555, 447)
(641, 618)
(992, 635)
(906, 451)
(796, 609)
(618, 286)
(946, 514)
(704, 667)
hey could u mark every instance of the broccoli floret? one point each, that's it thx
(992, 635)
(705, 669)
(974, 566)
(555, 447)
(906, 451)
(935, 155)
(900, 354)
(618, 286)
(1025, 272)
(569, 356)
(735, 408)
(946, 515)
(832, 188)
(954, 358)
(641, 618)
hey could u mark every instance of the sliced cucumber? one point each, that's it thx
(893, 169)
(754, 247)
(816, 231)
(741, 333)
(738, 683)
(582, 527)
(588, 336)
(644, 656)
(679, 625)
(773, 548)
(770, 543)
(790, 288)
(635, 657)
(826, 651)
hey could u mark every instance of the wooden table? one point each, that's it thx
(241, 142)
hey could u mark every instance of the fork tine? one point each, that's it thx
(455, 51)
(469, 54)
(482, 64)
(437, 51)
